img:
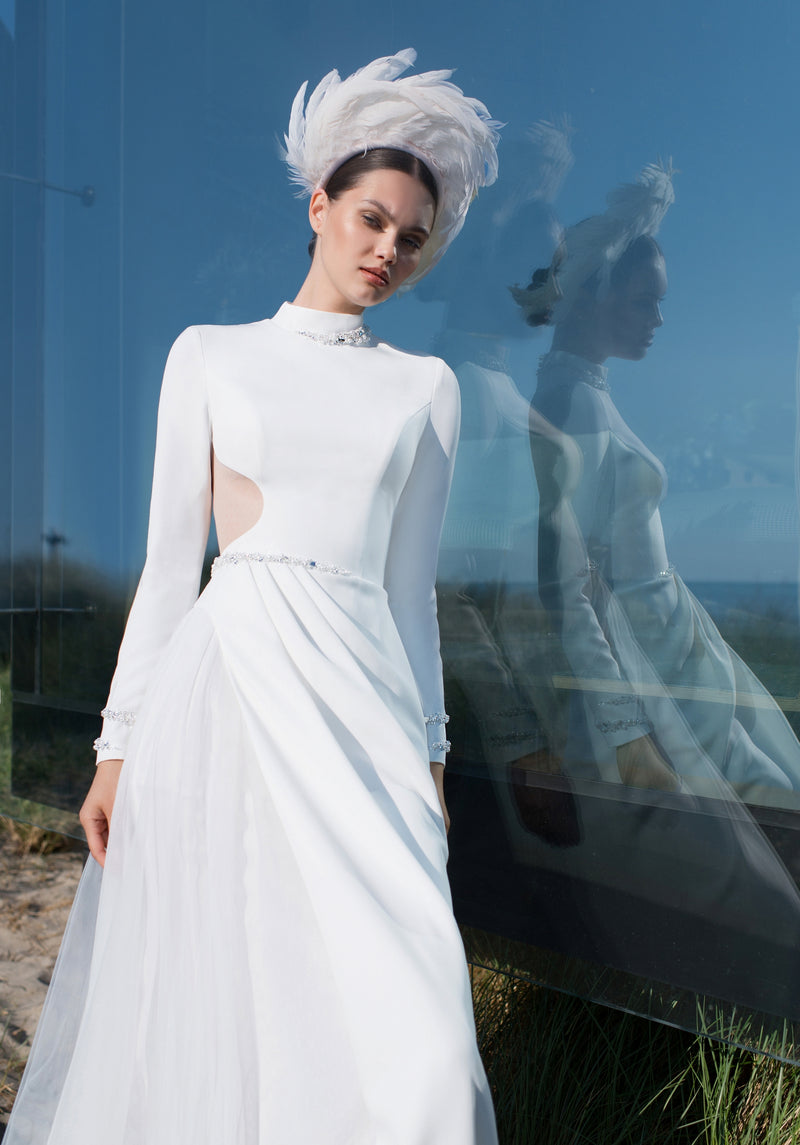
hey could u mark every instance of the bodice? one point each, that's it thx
(621, 483)
(339, 455)
(328, 434)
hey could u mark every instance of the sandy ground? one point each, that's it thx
(36, 892)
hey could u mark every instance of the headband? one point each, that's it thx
(592, 247)
(424, 114)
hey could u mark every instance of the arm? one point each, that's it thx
(571, 472)
(410, 574)
(180, 513)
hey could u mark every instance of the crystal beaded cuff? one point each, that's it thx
(119, 717)
(112, 743)
(438, 746)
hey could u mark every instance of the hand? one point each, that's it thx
(641, 764)
(97, 807)
(546, 809)
(437, 771)
(541, 760)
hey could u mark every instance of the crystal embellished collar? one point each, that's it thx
(565, 367)
(324, 327)
(358, 337)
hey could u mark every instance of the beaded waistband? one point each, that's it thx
(234, 558)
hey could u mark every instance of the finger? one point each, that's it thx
(96, 829)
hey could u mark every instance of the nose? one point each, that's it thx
(386, 248)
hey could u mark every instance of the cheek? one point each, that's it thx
(411, 259)
(628, 318)
(404, 268)
(345, 235)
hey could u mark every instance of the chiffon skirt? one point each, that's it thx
(269, 956)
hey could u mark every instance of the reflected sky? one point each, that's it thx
(195, 220)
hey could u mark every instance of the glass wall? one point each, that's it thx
(618, 587)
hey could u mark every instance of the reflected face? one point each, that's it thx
(631, 313)
(369, 239)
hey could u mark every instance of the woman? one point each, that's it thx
(662, 701)
(274, 957)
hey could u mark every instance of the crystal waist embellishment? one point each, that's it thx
(235, 558)
(359, 337)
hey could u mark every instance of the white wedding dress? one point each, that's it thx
(269, 956)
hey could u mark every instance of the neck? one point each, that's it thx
(580, 339)
(317, 293)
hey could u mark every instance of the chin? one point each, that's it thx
(636, 353)
(370, 297)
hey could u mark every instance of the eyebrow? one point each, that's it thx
(385, 210)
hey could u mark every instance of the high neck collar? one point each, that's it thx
(561, 366)
(301, 318)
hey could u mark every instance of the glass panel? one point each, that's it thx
(618, 578)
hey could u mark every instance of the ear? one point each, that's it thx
(318, 209)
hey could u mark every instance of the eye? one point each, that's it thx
(372, 221)
(411, 242)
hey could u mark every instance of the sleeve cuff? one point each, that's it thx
(510, 732)
(438, 743)
(621, 720)
(112, 743)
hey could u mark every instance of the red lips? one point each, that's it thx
(375, 275)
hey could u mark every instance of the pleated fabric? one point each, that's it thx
(269, 956)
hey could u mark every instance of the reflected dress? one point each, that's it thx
(630, 626)
(270, 955)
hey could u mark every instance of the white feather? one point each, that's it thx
(424, 114)
(593, 246)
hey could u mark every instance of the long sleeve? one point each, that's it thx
(180, 514)
(410, 576)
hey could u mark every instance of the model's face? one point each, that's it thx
(631, 313)
(369, 240)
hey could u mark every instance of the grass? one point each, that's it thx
(29, 839)
(569, 1072)
(12, 1064)
(29, 820)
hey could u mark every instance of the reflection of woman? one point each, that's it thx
(274, 956)
(657, 689)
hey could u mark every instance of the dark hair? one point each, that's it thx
(348, 174)
(542, 315)
(640, 250)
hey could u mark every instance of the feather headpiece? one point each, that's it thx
(592, 247)
(424, 114)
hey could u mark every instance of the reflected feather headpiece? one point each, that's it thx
(425, 115)
(592, 247)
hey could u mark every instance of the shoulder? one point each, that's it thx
(184, 363)
(574, 408)
(216, 350)
(411, 359)
(433, 376)
(213, 338)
